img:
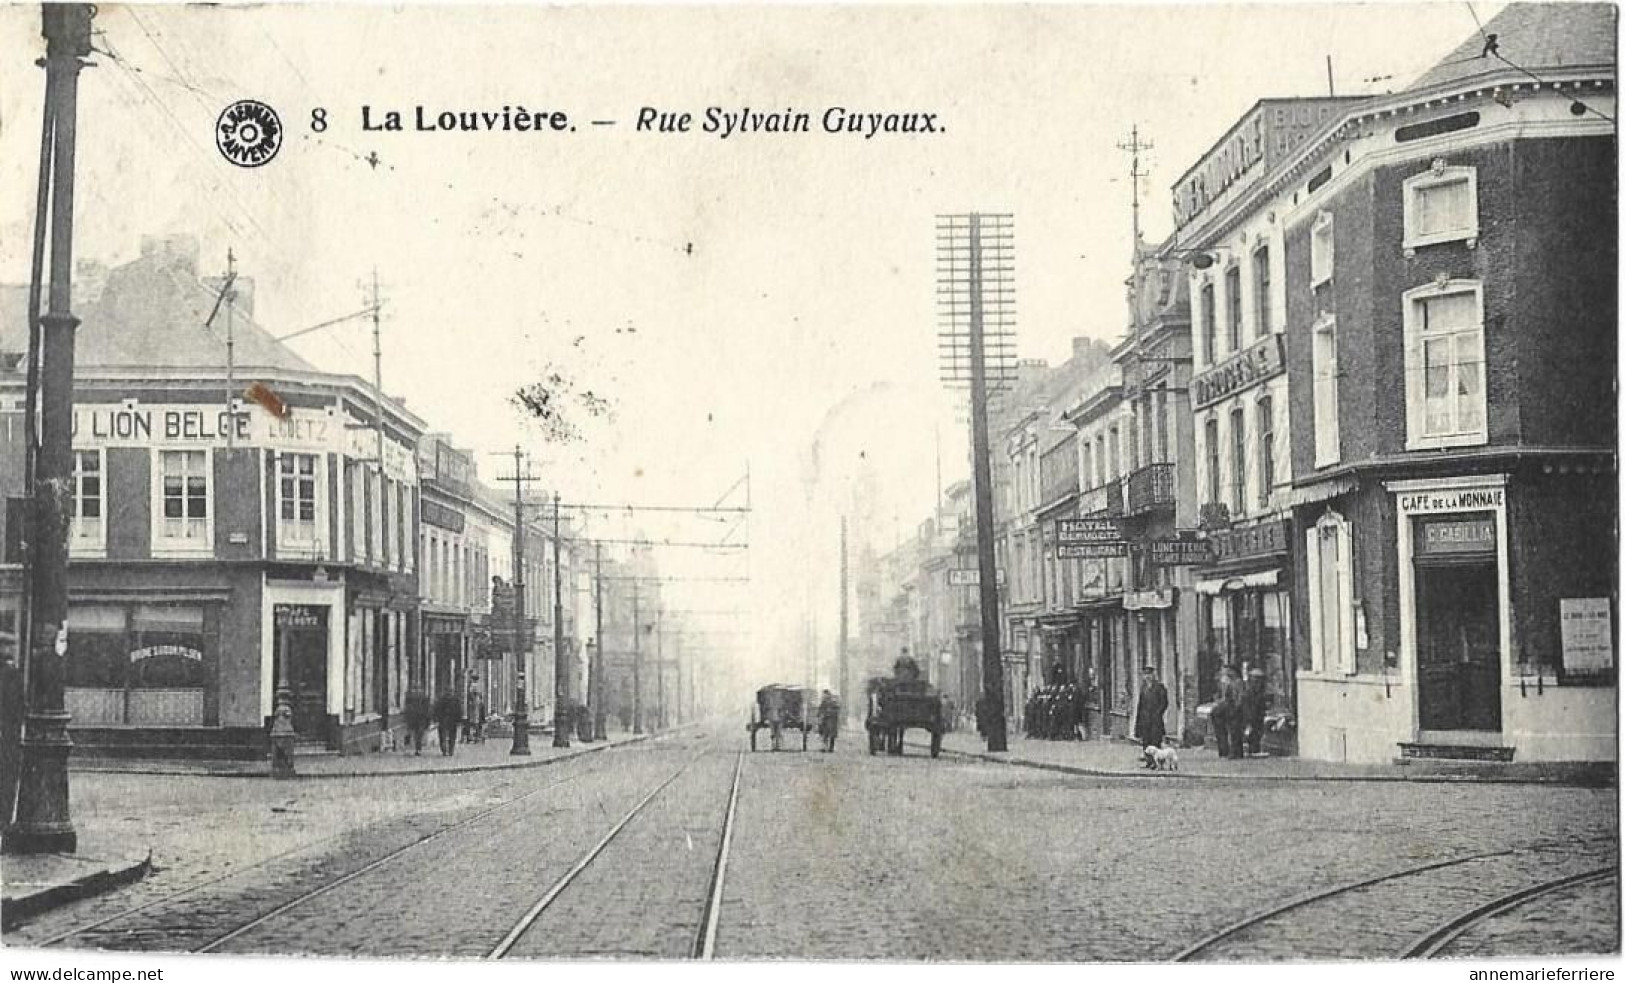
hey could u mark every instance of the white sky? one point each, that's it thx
(811, 274)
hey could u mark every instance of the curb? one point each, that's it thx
(15, 911)
(1016, 762)
(392, 773)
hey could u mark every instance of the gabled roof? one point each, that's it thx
(1534, 36)
(151, 313)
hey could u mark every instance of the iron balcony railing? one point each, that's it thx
(1151, 489)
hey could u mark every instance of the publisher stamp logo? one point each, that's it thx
(248, 133)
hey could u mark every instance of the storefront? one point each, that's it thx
(1244, 620)
(446, 646)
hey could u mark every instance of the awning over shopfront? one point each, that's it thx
(1141, 600)
(1218, 585)
(1320, 491)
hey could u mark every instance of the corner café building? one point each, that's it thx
(211, 547)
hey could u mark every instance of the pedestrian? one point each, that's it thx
(418, 712)
(1226, 715)
(1149, 728)
(829, 719)
(1255, 699)
(448, 714)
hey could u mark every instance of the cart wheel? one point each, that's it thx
(936, 743)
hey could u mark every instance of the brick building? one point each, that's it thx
(1433, 331)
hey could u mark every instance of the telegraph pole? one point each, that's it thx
(637, 663)
(521, 630)
(841, 642)
(992, 656)
(660, 675)
(44, 824)
(561, 678)
(597, 679)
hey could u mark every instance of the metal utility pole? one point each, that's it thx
(229, 295)
(660, 676)
(561, 678)
(596, 681)
(43, 821)
(637, 663)
(521, 630)
(378, 378)
(840, 647)
(1134, 146)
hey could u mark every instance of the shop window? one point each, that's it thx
(1321, 250)
(137, 666)
(1331, 597)
(1328, 442)
(183, 522)
(1444, 365)
(1441, 205)
(89, 531)
(298, 503)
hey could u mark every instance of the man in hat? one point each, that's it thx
(1149, 728)
(1227, 714)
(1255, 699)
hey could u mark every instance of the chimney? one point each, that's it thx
(89, 280)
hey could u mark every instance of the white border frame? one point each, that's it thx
(329, 595)
(166, 547)
(1416, 384)
(1436, 175)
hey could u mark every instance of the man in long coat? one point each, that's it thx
(1149, 729)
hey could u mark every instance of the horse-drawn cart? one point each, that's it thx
(781, 708)
(895, 705)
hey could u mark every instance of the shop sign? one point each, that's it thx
(1091, 551)
(297, 616)
(1456, 535)
(1587, 633)
(1453, 500)
(1179, 552)
(436, 514)
(180, 651)
(130, 424)
(1249, 541)
(972, 577)
(1245, 369)
(442, 626)
(1072, 532)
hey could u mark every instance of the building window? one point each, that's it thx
(1232, 308)
(139, 665)
(183, 500)
(297, 524)
(1210, 326)
(89, 532)
(1261, 290)
(1331, 597)
(1113, 458)
(1162, 427)
(1441, 205)
(1238, 460)
(1266, 450)
(1212, 438)
(1444, 365)
(1327, 441)
(1320, 250)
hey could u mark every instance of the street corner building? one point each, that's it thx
(1405, 356)
(217, 542)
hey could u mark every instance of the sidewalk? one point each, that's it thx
(492, 754)
(1122, 759)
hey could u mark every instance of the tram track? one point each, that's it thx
(1317, 925)
(704, 941)
(200, 917)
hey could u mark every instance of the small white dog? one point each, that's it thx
(1164, 758)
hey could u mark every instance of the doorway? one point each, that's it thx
(1458, 646)
(301, 647)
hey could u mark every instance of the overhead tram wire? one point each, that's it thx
(1492, 47)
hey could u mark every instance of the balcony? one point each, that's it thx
(1151, 489)
(1106, 500)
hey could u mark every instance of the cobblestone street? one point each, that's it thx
(847, 856)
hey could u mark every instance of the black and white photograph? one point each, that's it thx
(809, 485)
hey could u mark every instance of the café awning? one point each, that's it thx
(1218, 585)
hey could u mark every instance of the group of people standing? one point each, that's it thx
(1056, 713)
(448, 714)
(1238, 712)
